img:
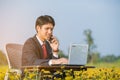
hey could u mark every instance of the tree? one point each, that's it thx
(90, 41)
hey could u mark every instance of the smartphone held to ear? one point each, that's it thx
(51, 38)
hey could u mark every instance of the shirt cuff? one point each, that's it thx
(50, 62)
(55, 55)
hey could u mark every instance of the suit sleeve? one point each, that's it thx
(31, 55)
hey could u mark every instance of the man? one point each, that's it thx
(33, 53)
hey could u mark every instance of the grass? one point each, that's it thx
(105, 65)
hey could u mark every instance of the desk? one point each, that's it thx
(53, 72)
(74, 67)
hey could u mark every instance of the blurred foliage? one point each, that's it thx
(109, 58)
(61, 54)
(3, 70)
(90, 41)
(94, 56)
(89, 74)
(3, 59)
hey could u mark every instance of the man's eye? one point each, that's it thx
(46, 28)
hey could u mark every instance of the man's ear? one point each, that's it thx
(37, 28)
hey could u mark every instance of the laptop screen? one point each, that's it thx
(78, 54)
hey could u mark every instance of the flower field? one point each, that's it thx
(98, 73)
(3, 70)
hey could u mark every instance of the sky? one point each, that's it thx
(72, 17)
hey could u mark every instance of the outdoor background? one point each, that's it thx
(102, 17)
(95, 22)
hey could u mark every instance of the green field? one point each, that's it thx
(106, 65)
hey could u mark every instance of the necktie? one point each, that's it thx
(44, 51)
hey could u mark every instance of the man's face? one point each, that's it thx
(45, 31)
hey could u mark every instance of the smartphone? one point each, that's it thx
(51, 38)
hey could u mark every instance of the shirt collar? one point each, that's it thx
(40, 41)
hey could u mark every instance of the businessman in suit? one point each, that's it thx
(34, 53)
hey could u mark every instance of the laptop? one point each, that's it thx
(77, 55)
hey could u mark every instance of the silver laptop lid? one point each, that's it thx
(78, 54)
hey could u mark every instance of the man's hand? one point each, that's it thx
(54, 43)
(60, 61)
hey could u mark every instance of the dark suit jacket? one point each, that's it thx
(32, 53)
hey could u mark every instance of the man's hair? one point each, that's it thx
(45, 19)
